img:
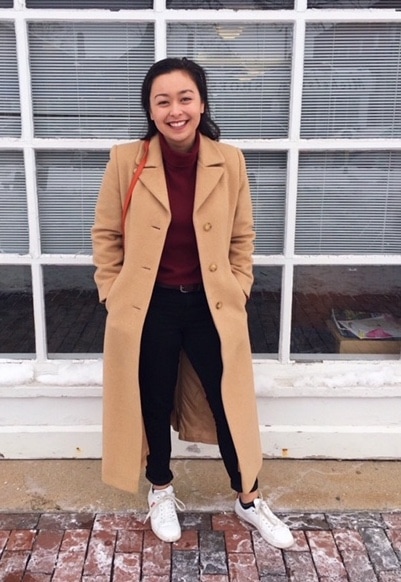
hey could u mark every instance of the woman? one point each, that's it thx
(175, 278)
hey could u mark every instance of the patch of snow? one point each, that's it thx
(75, 374)
(369, 378)
(16, 373)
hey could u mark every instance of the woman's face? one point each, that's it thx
(176, 108)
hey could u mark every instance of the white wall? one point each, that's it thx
(341, 410)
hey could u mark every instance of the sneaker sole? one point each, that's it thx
(266, 538)
(167, 539)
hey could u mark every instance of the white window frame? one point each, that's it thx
(293, 145)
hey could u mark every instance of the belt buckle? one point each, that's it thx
(183, 289)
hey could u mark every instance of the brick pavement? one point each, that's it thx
(119, 547)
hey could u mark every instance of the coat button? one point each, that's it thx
(213, 267)
(207, 226)
(219, 305)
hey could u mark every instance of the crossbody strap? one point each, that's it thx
(134, 180)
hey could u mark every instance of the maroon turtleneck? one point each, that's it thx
(179, 264)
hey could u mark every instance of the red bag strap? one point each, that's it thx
(134, 180)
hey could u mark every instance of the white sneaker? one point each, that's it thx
(270, 527)
(163, 515)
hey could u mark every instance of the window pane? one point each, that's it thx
(68, 185)
(10, 117)
(349, 202)
(115, 5)
(352, 84)
(248, 67)
(320, 289)
(14, 236)
(264, 310)
(353, 4)
(86, 78)
(74, 317)
(17, 334)
(232, 4)
(267, 179)
(6, 3)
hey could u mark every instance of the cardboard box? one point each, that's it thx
(345, 345)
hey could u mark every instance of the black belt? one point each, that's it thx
(182, 288)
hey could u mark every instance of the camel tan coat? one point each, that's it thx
(224, 232)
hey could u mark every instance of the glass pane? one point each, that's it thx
(352, 84)
(318, 290)
(264, 310)
(354, 4)
(68, 185)
(349, 203)
(74, 317)
(17, 335)
(10, 116)
(115, 5)
(86, 78)
(267, 173)
(14, 236)
(6, 3)
(232, 4)
(249, 70)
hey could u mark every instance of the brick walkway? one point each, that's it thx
(118, 547)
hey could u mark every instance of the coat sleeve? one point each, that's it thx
(243, 234)
(107, 241)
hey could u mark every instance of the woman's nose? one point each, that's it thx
(175, 108)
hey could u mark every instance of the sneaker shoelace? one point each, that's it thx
(167, 504)
(265, 512)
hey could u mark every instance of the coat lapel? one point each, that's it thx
(209, 172)
(152, 176)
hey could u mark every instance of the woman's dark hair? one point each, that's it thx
(206, 126)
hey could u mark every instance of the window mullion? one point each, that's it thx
(24, 77)
(160, 39)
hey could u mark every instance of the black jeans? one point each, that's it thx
(178, 321)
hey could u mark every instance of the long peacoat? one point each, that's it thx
(223, 225)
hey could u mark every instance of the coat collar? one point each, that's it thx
(209, 171)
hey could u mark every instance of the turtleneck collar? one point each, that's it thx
(176, 159)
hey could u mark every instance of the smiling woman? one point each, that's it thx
(177, 292)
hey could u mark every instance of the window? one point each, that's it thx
(344, 4)
(10, 117)
(83, 86)
(68, 185)
(249, 71)
(349, 203)
(14, 235)
(311, 96)
(267, 179)
(352, 84)
(114, 5)
(17, 334)
(318, 290)
(74, 317)
(232, 4)
(264, 310)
